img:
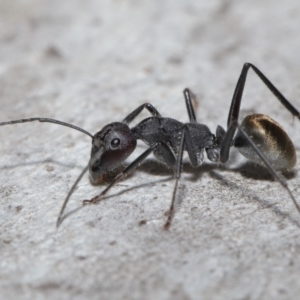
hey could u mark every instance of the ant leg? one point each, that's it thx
(177, 177)
(153, 111)
(224, 153)
(189, 105)
(165, 153)
(238, 93)
(60, 217)
(129, 169)
(185, 140)
(48, 120)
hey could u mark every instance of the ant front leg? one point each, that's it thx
(153, 111)
(163, 148)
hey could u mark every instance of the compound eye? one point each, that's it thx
(115, 143)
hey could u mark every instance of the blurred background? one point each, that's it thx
(89, 63)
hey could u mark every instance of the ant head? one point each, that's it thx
(110, 147)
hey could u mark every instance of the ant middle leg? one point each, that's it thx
(189, 105)
(177, 177)
(195, 138)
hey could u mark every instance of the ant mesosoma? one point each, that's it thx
(259, 138)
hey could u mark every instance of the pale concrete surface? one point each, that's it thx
(236, 234)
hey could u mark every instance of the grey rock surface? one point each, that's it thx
(235, 234)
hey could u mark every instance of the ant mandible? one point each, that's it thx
(259, 138)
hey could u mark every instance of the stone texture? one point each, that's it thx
(235, 234)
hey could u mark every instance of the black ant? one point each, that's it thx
(259, 138)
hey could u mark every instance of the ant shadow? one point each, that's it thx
(147, 184)
(247, 170)
(250, 170)
(153, 167)
(40, 162)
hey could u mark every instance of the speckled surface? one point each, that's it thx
(235, 234)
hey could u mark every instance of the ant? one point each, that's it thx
(259, 138)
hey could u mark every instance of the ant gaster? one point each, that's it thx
(259, 138)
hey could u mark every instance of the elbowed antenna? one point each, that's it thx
(61, 216)
(48, 120)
